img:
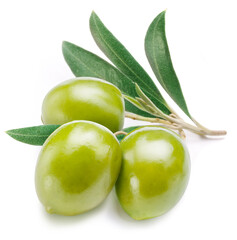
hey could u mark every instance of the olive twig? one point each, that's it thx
(200, 126)
(162, 123)
(195, 129)
(146, 119)
(180, 124)
(206, 129)
(168, 120)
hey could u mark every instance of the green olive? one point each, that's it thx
(77, 167)
(84, 98)
(154, 173)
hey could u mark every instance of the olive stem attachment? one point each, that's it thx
(182, 134)
(120, 132)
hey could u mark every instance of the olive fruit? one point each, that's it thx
(77, 167)
(154, 173)
(84, 98)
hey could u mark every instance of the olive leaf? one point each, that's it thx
(133, 101)
(37, 135)
(86, 64)
(32, 135)
(121, 58)
(158, 55)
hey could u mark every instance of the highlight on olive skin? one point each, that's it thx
(84, 98)
(154, 174)
(77, 168)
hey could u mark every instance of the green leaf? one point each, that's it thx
(158, 55)
(86, 64)
(37, 135)
(127, 130)
(143, 96)
(138, 102)
(121, 58)
(133, 109)
(133, 101)
(32, 135)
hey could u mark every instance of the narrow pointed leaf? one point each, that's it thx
(130, 107)
(142, 95)
(133, 101)
(158, 55)
(32, 135)
(86, 64)
(121, 58)
(37, 135)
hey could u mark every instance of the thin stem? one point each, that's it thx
(202, 131)
(201, 127)
(163, 123)
(120, 132)
(195, 129)
(169, 120)
(199, 124)
(146, 119)
(182, 124)
(179, 124)
(173, 113)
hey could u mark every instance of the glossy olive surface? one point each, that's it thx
(77, 167)
(84, 98)
(154, 173)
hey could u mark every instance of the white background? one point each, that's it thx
(202, 39)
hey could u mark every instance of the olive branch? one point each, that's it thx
(143, 100)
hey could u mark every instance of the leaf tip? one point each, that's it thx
(64, 43)
(66, 46)
(163, 13)
(8, 132)
(93, 14)
(138, 89)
